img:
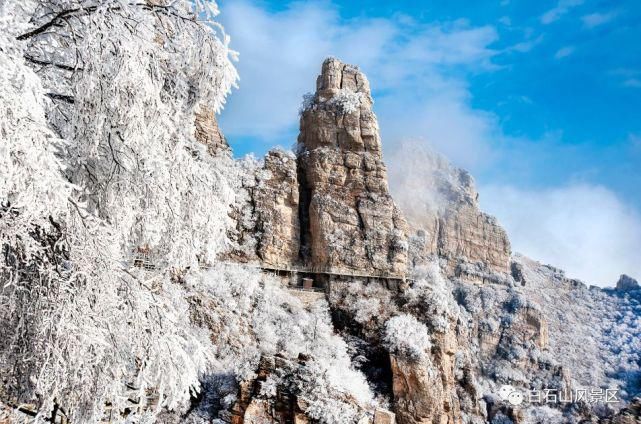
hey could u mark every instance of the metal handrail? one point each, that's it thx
(145, 261)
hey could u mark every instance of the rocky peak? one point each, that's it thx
(440, 202)
(349, 220)
(627, 283)
(336, 76)
(340, 113)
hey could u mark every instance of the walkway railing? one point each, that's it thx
(146, 262)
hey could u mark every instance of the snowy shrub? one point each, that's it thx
(369, 305)
(430, 296)
(366, 309)
(467, 297)
(489, 325)
(269, 387)
(543, 415)
(308, 101)
(517, 301)
(407, 337)
(347, 101)
(250, 315)
(440, 324)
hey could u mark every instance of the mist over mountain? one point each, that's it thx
(149, 276)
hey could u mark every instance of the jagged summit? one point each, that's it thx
(340, 111)
(337, 76)
(349, 218)
(331, 208)
(627, 283)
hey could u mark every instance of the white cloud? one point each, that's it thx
(281, 53)
(632, 82)
(596, 19)
(278, 63)
(562, 7)
(418, 73)
(564, 52)
(586, 230)
(444, 122)
(628, 77)
(527, 45)
(505, 20)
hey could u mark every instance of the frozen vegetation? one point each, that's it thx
(99, 168)
(115, 303)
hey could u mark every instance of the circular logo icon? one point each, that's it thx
(505, 391)
(509, 394)
(515, 398)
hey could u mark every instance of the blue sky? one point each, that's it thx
(541, 101)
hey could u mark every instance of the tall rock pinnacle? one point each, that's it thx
(348, 218)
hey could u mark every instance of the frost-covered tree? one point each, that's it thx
(407, 337)
(103, 166)
(250, 315)
(126, 80)
(99, 163)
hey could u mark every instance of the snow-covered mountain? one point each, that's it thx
(147, 276)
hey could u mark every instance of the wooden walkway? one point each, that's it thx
(145, 263)
(329, 271)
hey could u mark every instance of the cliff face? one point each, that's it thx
(276, 205)
(329, 209)
(351, 221)
(266, 212)
(492, 318)
(208, 133)
(440, 202)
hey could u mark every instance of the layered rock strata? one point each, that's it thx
(440, 202)
(329, 210)
(351, 221)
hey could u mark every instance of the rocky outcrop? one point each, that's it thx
(383, 416)
(418, 393)
(627, 283)
(208, 133)
(276, 205)
(441, 202)
(260, 402)
(350, 221)
(440, 389)
(272, 396)
(266, 212)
